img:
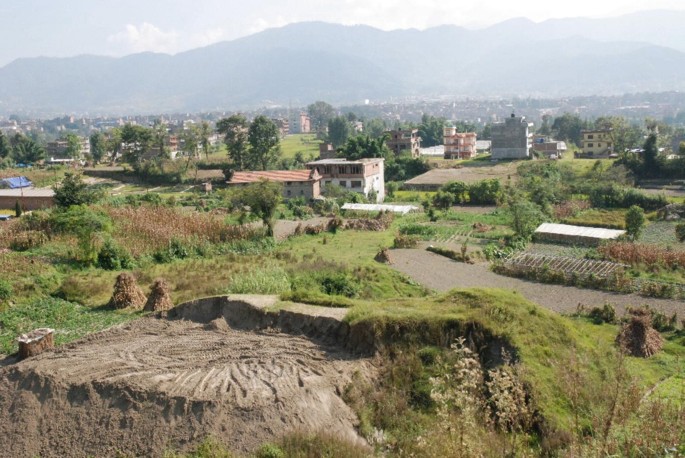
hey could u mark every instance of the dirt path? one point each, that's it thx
(156, 384)
(442, 274)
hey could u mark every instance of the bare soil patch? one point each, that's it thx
(442, 274)
(156, 384)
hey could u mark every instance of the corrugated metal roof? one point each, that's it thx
(27, 192)
(345, 161)
(579, 231)
(380, 207)
(272, 175)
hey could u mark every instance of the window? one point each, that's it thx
(288, 192)
(343, 183)
(599, 145)
(356, 184)
(288, 183)
(302, 192)
(356, 169)
(589, 145)
(590, 137)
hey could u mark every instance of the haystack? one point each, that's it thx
(126, 293)
(159, 299)
(638, 337)
(384, 256)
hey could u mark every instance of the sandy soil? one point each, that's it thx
(442, 274)
(158, 384)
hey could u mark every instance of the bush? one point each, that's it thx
(339, 284)
(485, 192)
(113, 257)
(605, 314)
(405, 241)
(635, 221)
(680, 232)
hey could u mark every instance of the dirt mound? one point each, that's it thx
(638, 337)
(126, 293)
(159, 299)
(158, 384)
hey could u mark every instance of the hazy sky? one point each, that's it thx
(57, 28)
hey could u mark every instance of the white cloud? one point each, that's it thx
(145, 37)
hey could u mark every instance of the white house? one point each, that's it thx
(363, 175)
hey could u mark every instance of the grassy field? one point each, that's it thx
(307, 144)
(599, 217)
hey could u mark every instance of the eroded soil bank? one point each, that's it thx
(225, 367)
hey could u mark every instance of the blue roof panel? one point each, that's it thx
(16, 182)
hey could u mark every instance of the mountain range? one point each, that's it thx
(299, 63)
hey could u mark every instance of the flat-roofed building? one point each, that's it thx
(404, 140)
(511, 139)
(597, 143)
(365, 176)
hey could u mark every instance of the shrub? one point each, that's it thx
(485, 192)
(680, 232)
(635, 221)
(605, 314)
(405, 241)
(339, 284)
(113, 257)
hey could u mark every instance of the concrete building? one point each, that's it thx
(296, 183)
(459, 145)
(511, 139)
(597, 143)
(326, 151)
(362, 176)
(58, 148)
(299, 123)
(404, 140)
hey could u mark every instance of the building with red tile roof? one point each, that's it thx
(296, 183)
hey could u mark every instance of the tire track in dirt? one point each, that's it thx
(159, 382)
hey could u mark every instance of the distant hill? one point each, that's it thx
(303, 62)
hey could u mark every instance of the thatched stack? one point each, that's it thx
(126, 293)
(159, 299)
(384, 256)
(638, 337)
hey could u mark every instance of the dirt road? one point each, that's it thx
(442, 274)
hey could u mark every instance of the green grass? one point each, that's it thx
(70, 320)
(662, 233)
(599, 217)
(544, 341)
(307, 144)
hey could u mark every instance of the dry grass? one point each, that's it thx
(647, 254)
(146, 229)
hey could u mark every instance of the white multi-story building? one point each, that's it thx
(362, 176)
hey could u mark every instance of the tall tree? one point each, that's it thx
(339, 130)
(136, 141)
(114, 143)
(25, 150)
(431, 130)
(375, 127)
(263, 199)
(363, 146)
(5, 147)
(73, 146)
(98, 146)
(319, 114)
(650, 160)
(204, 132)
(263, 137)
(235, 129)
(567, 127)
(160, 137)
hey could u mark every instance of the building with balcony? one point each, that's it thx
(404, 140)
(459, 145)
(365, 176)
